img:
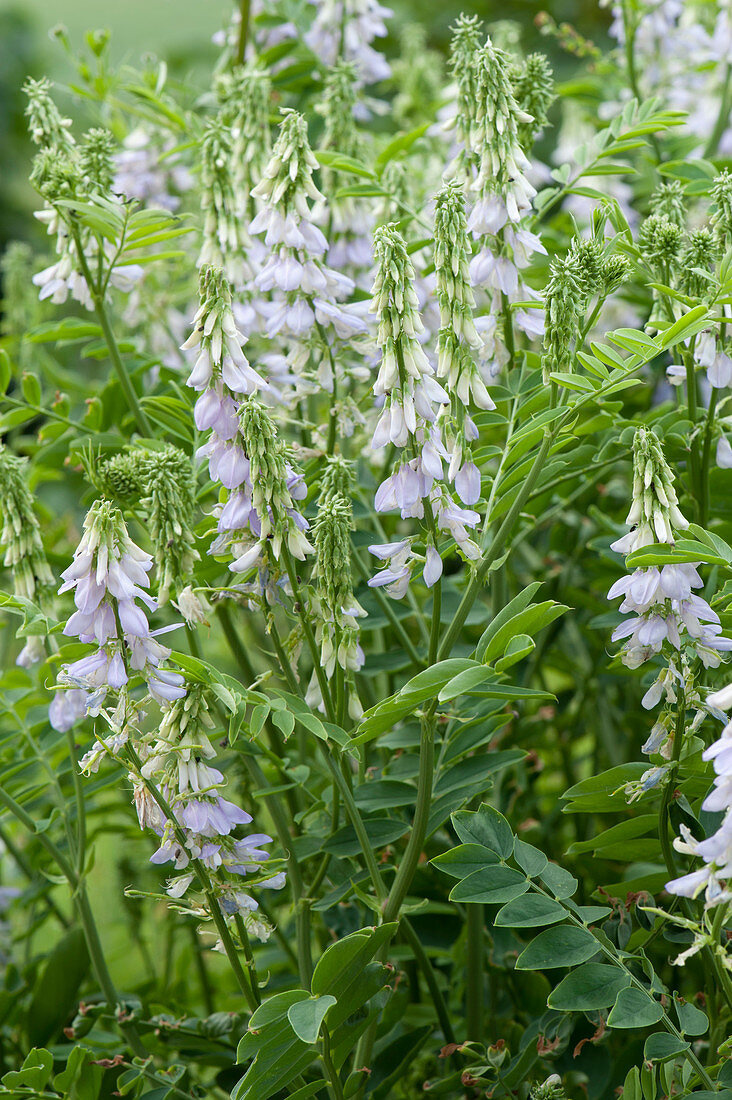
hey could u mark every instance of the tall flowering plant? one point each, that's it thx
(368, 565)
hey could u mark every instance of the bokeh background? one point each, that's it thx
(180, 32)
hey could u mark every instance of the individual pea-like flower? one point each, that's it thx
(109, 579)
(710, 354)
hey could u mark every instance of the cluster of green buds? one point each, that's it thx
(466, 38)
(270, 526)
(96, 160)
(502, 191)
(562, 299)
(654, 512)
(21, 539)
(46, 126)
(456, 300)
(245, 96)
(169, 502)
(226, 242)
(162, 483)
(698, 256)
(533, 87)
(721, 217)
(336, 609)
(668, 200)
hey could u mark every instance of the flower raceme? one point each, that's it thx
(109, 579)
(662, 602)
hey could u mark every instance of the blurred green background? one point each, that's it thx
(180, 32)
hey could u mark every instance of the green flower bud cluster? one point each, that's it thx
(337, 479)
(169, 502)
(455, 297)
(494, 136)
(288, 178)
(466, 40)
(721, 217)
(163, 484)
(96, 160)
(271, 472)
(56, 174)
(698, 256)
(21, 532)
(245, 96)
(659, 240)
(336, 610)
(119, 477)
(563, 304)
(668, 200)
(403, 362)
(614, 272)
(533, 89)
(654, 512)
(20, 310)
(339, 99)
(417, 72)
(46, 125)
(225, 238)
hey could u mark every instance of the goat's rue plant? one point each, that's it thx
(365, 485)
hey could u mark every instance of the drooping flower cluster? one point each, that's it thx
(458, 339)
(178, 762)
(244, 452)
(20, 537)
(109, 579)
(305, 290)
(492, 166)
(141, 173)
(343, 30)
(714, 878)
(411, 398)
(664, 608)
(63, 170)
(349, 219)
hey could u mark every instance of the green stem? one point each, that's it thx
(309, 636)
(241, 45)
(334, 1079)
(410, 860)
(358, 825)
(430, 978)
(705, 459)
(496, 548)
(666, 846)
(474, 973)
(203, 881)
(97, 298)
